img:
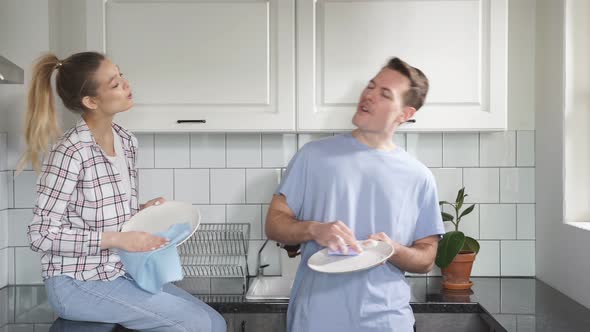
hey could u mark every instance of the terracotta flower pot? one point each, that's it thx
(457, 274)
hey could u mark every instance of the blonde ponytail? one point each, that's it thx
(41, 125)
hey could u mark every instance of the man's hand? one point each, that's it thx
(418, 258)
(335, 235)
(383, 237)
(155, 201)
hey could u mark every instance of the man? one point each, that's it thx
(360, 186)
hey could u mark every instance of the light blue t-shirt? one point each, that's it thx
(371, 191)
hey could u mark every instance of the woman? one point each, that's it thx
(87, 190)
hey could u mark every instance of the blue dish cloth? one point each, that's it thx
(152, 269)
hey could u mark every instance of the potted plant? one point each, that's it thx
(456, 252)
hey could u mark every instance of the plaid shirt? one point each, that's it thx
(81, 196)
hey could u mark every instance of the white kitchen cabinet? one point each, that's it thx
(461, 45)
(226, 65)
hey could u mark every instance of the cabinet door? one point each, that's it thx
(224, 65)
(460, 45)
(275, 322)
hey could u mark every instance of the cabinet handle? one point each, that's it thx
(243, 326)
(191, 121)
(411, 121)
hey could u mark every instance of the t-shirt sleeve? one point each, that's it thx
(429, 218)
(294, 181)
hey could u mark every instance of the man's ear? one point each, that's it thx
(89, 103)
(408, 113)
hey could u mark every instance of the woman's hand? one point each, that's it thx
(132, 241)
(155, 201)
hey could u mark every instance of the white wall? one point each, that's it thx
(562, 250)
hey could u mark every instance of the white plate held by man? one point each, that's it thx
(373, 254)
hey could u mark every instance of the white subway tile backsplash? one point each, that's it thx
(525, 148)
(498, 221)
(269, 255)
(469, 224)
(3, 230)
(11, 266)
(212, 214)
(145, 155)
(482, 185)
(525, 221)
(518, 258)
(4, 266)
(264, 209)
(306, 138)
(3, 152)
(27, 267)
(517, 185)
(232, 177)
(278, 149)
(250, 214)
(253, 247)
(10, 180)
(172, 150)
(261, 184)
(244, 150)
(207, 150)
(448, 182)
(18, 221)
(4, 190)
(228, 186)
(487, 262)
(460, 150)
(25, 195)
(497, 149)
(191, 185)
(155, 183)
(426, 147)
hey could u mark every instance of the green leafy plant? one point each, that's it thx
(455, 241)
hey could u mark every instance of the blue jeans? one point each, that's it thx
(122, 302)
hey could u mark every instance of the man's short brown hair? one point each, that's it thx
(416, 95)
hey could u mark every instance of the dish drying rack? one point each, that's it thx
(215, 259)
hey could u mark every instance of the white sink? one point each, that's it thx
(270, 288)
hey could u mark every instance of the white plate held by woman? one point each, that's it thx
(158, 218)
(371, 256)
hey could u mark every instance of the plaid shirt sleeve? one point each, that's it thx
(55, 187)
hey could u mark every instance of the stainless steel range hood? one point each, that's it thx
(10, 73)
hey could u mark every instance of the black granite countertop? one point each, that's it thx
(517, 304)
